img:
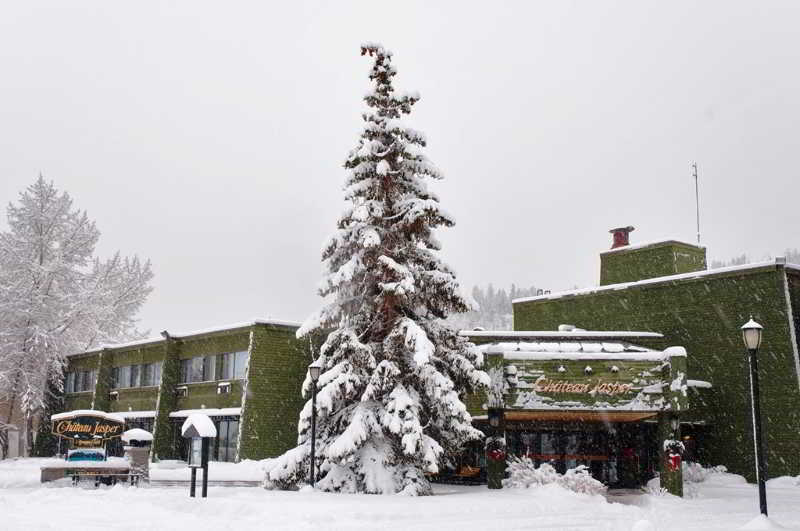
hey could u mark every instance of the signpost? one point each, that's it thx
(200, 429)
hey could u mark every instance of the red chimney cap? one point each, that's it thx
(621, 236)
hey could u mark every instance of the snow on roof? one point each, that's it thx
(90, 412)
(578, 350)
(137, 434)
(211, 412)
(201, 423)
(560, 334)
(700, 384)
(625, 285)
(136, 414)
(147, 341)
(642, 245)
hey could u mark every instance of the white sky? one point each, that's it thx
(209, 137)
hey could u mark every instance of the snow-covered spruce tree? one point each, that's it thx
(389, 401)
(56, 298)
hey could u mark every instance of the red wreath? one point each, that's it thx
(497, 455)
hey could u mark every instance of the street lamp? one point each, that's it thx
(751, 333)
(314, 371)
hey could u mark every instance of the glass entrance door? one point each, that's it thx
(614, 453)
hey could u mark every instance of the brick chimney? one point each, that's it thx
(621, 236)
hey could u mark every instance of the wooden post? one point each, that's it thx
(192, 483)
(206, 441)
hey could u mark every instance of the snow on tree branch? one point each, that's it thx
(56, 297)
(394, 375)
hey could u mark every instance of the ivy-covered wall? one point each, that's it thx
(278, 364)
(166, 401)
(704, 314)
(271, 403)
(651, 261)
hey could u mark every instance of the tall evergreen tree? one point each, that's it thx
(389, 403)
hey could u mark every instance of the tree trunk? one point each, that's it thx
(29, 434)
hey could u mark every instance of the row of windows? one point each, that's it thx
(228, 366)
(143, 375)
(79, 381)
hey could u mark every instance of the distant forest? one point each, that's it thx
(792, 257)
(494, 311)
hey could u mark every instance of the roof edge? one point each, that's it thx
(188, 335)
(777, 262)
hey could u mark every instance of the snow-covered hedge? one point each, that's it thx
(524, 474)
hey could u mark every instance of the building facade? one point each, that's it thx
(574, 397)
(665, 287)
(246, 377)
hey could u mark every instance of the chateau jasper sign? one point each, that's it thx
(543, 385)
(87, 427)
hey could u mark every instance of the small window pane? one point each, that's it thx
(227, 366)
(69, 384)
(209, 368)
(241, 364)
(157, 373)
(114, 377)
(186, 371)
(197, 370)
(135, 374)
(146, 375)
(125, 376)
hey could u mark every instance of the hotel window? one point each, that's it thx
(209, 368)
(69, 384)
(157, 373)
(114, 377)
(186, 371)
(135, 375)
(124, 376)
(86, 381)
(146, 375)
(234, 365)
(227, 437)
(193, 369)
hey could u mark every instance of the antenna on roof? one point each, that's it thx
(696, 199)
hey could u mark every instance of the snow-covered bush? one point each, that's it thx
(524, 474)
(697, 473)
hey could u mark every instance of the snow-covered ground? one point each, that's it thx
(723, 502)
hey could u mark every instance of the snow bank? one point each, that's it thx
(246, 470)
(784, 482)
(760, 523)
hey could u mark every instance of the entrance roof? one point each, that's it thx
(579, 416)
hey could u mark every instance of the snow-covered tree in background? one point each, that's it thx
(389, 402)
(56, 297)
(493, 311)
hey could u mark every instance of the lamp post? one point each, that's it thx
(751, 333)
(313, 371)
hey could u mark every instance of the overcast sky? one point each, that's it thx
(209, 136)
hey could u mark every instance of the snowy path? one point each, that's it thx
(720, 506)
